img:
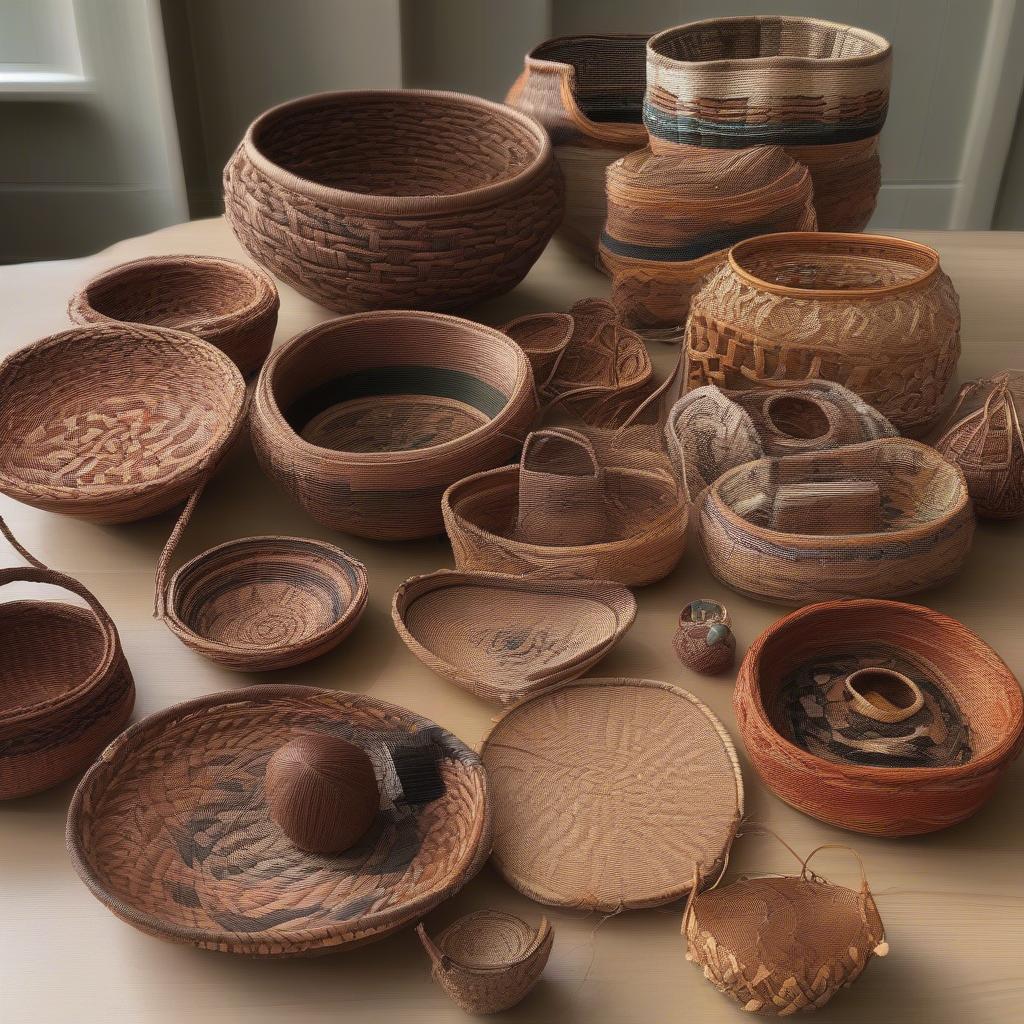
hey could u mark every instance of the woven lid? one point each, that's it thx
(609, 794)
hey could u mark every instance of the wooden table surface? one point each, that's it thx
(953, 903)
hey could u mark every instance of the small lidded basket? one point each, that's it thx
(704, 639)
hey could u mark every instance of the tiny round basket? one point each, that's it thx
(366, 419)
(172, 828)
(704, 640)
(65, 687)
(873, 313)
(223, 302)
(879, 788)
(488, 961)
(405, 199)
(115, 422)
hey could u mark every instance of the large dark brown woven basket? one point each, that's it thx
(410, 199)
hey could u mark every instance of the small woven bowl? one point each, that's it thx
(231, 306)
(114, 423)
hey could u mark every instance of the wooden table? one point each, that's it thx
(953, 903)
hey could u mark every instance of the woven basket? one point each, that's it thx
(502, 637)
(818, 88)
(543, 337)
(983, 436)
(172, 832)
(231, 306)
(704, 639)
(114, 423)
(65, 687)
(671, 221)
(925, 528)
(383, 200)
(875, 314)
(891, 801)
(366, 419)
(611, 794)
(488, 961)
(587, 91)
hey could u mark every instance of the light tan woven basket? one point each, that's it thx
(223, 302)
(383, 200)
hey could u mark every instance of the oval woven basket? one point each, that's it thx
(917, 537)
(172, 832)
(405, 199)
(502, 637)
(611, 794)
(818, 88)
(366, 419)
(114, 423)
(873, 313)
(65, 686)
(232, 306)
(879, 799)
(488, 961)
(588, 92)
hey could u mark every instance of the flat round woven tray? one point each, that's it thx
(608, 794)
(170, 828)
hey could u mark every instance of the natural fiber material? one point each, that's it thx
(229, 305)
(779, 944)
(587, 91)
(172, 832)
(611, 794)
(502, 637)
(488, 961)
(876, 314)
(926, 530)
(671, 220)
(889, 800)
(818, 88)
(704, 640)
(383, 200)
(65, 687)
(983, 436)
(114, 422)
(543, 337)
(366, 419)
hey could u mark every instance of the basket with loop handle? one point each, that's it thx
(65, 686)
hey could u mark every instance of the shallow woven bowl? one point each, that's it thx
(383, 200)
(171, 829)
(877, 800)
(264, 603)
(232, 306)
(114, 423)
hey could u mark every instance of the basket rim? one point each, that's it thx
(564, 320)
(820, 241)
(279, 425)
(385, 205)
(199, 642)
(378, 924)
(753, 705)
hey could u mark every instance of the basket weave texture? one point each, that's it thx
(65, 686)
(229, 305)
(171, 829)
(405, 199)
(875, 314)
(881, 800)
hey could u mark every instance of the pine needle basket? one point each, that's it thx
(403, 199)
(114, 423)
(880, 800)
(873, 313)
(366, 419)
(924, 533)
(170, 830)
(232, 306)
(488, 961)
(818, 88)
(611, 794)
(587, 91)
(65, 686)
(502, 637)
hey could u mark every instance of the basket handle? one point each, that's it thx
(17, 545)
(573, 438)
(439, 959)
(806, 873)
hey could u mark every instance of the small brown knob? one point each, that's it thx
(323, 792)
